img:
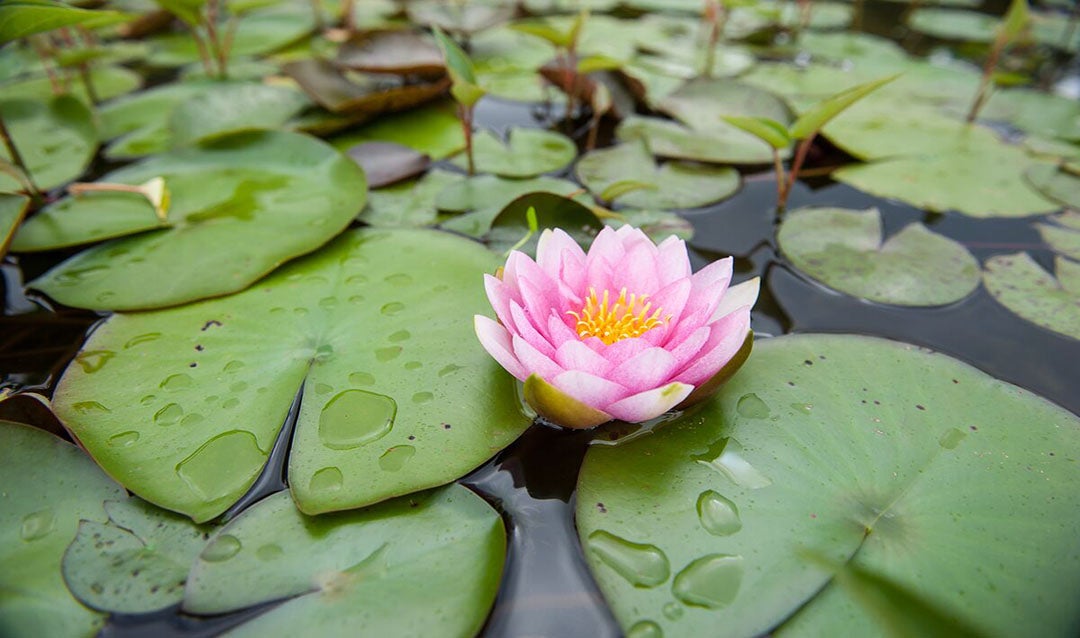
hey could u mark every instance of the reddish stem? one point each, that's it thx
(796, 165)
(466, 123)
(984, 83)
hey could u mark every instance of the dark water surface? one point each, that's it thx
(546, 588)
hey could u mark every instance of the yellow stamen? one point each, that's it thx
(610, 322)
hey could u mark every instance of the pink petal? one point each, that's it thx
(672, 262)
(496, 340)
(538, 303)
(623, 350)
(725, 339)
(737, 296)
(672, 299)
(686, 350)
(526, 327)
(561, 258)
(500, 296)
(690, 321)
(608, 246)
(534, 361)
(649, 404)
(575, 355)
(589, 389)
(558, 330)
(710, 283)
(647, 369)
(636, 271)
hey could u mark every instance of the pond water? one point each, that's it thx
(547, 588)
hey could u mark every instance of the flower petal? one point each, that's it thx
(672, 261)
(737, 296)
(575, 355)
(646, 370)
(686, 350)
(725, 339)
(561, 258)
(651, 403)
(500, 295)
(624, 349)
(558, 329)
(496, 340)
(589, 388)
(559, 408)
(709, 285)
(534, 361)
(526, 327)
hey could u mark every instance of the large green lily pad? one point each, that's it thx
(410, 203)
(257, 32)
(49, 486)
(986, 181)
(842, 248)
(108, 82)
(1036, 112)
(954, 24)
(135, 563)
(56, 138)
(424, 565)
(908, 464)
(1033, 294)
(433, 129)
(241, 205)
(183, 405)
(677, 184)
(235, 107)
(527, 152)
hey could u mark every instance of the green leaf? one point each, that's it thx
(257, 33)
(427, 564)
(49, 486)
(56, 138)
(21, 18)
(953, 24)
(811, 120)
(410, 203)
(770, 131)
(545, 31)
(190, 11)
(1036, 112)
(1022, 286)
(617, 189)
(241, 206)
(527, 152)
(12, 209)
(842, 248)
(1058, 184)
(135, 563)
(678, 184)
(461, 70)
(376, 328)
(1016, 22)
(729, 145)
(1063, 240)
(484, 196)
(868, 452)
(232, 108)
(433, 129)
(108, 82)
(549, 211)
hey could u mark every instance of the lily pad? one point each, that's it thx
(108, 82)
(49, 486)
(398, 395)
(427, 564)
(482, 197)
(985, 182)
(1033, 294)
(511, 225)
(1036, 112)
(361, 93)
(678, 184)
(527, 152)
(410, 203)
(458, 18)
(842, 248)
(665, 138)
(241, 206)
(391, 51)
(1063, 240)
(22, 18)
(433, 129)
(233, 108)
(954, 24)
(861, 450)
(135, 563)
(257, 32)
(861, 50)
(57, 139)
(12, 209)
(701, 103)
(151, 107)
(1059, 184)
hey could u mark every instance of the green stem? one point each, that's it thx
(984, 83)
(778, 166)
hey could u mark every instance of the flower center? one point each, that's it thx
(627, 317)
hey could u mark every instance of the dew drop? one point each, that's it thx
(230, 403)
(92, 360)
(645, 629)
(399, 279)
(802, 408)
(752, 407)
(640, 564)
(951, 438)
(354, 418)
(141, 339)
(392, 308)
(710, 581)
(191, 419)
(168, 415)
(441, 288)
(323, 388)
(86, 407)
(718, 515)
(239, 386)
(103, 297)
(328, 303)
(328, 479)
(74, 276)
(399, 336)
(224, 466)
(362, 378)
(223, 548)
(233, 366)
(268, 552)
(449, 369)
(388, 353)
(395, 458)
(37, 525)
(422, 397)
(356, 279)
(324, 351)
(725, 456)
(277, 310)
(356, 298)
(148, 399)
(413, 365)
(176, 382)
(124, 439)
(673, 611)
(300, 311)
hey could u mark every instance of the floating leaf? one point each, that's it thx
(812, 119)
(427, 564)
(360, 93)
(398, 395)
(410, 203)
(549, 211)
(527, 152)
(678, 184)
(701, 104)
(108, 82)
(240, 207)
(1036, 112)
(257, 32)
(865, 451)
(664, 138)
(842, 248)
(56, 139)
(49, 486)
(458, 18)
(865, 52)
(135, 563)
(391, 51)
(21, 18)
(953, 24)
(385, 163)
(233, 108)
(432, 129)
(12, 209)
(1063, 240)
(1022, 286)
(483, 196)
(984, 182)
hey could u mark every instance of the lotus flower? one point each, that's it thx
(623, 332)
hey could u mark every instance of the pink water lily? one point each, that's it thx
(626, 331)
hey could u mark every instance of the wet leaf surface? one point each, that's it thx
(1020, 284)
(56, 138)
(527, 152)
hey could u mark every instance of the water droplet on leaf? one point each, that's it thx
(356, 417)
(640, 564)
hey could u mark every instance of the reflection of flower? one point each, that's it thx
(624, 332)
